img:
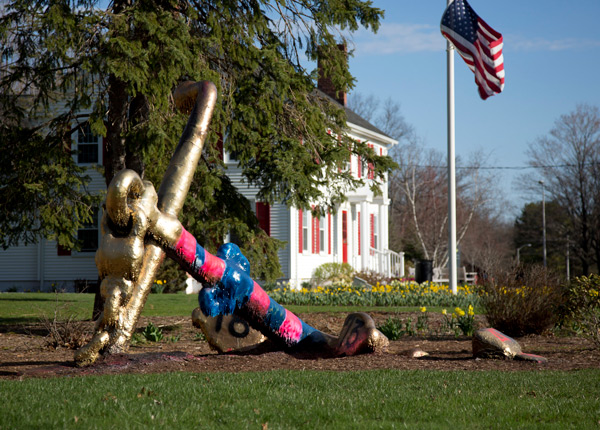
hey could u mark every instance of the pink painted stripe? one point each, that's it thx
(213, 266)
(291, 328)
(259, 301)
(186, 246)
(499, 335)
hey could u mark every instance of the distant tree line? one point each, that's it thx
(567, 161)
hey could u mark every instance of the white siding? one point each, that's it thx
(19, 263)
(280, 217)
(26, 267)
(280, 229)
(65, 268)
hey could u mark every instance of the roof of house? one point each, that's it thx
(353, 117)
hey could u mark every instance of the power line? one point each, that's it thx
(551, 166)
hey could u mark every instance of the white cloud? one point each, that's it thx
(520, 43)
(397, 38)
(394, 38)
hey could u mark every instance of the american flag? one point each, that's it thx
(478, 44)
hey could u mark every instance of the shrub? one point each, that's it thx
(522, 301)
(333, 273)
(373, 278)
(582, 307)
(64, 331)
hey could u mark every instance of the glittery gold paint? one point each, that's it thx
(126, 264)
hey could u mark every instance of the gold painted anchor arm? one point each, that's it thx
(126, 291)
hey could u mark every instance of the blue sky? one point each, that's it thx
(552, 63)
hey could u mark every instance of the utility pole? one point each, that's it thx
(544, 221)
(568, 262)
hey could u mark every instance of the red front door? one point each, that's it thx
(345, 236)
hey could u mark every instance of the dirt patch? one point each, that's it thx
(24, 353)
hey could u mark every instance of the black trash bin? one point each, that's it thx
(424, 271)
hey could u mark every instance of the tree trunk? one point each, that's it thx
(117, 121)
(115, 146)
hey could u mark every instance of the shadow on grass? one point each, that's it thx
(17, 321)
(29, 299)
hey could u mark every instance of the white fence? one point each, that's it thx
(387, 262)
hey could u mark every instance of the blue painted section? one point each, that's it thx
(232, 254)
(275, 315)
(307, 330)
(200, 257)
(234, 288)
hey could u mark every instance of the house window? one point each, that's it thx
(303, 215)
(87, 235)
(87, 145)
(335, 237)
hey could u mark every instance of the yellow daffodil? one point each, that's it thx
(423, 309)
(444, 311)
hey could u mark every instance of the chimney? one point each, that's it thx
(326, 85)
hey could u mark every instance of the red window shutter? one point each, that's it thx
(315, 234)
(263, 213)
(359, 233)
(317, 241)
(329, 233)
(62, 251)
(312, 234)
(372, 220)
(220, 147)
(300, 244)
(371, 172)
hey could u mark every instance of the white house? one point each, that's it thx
(356, 233)
(45, 265)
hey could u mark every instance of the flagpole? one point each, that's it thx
(451, 170)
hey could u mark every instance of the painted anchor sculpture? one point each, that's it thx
(140, 225)
(228, 287)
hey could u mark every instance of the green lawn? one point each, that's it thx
(23, 308)
(380, 399)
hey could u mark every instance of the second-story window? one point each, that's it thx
(87, 145)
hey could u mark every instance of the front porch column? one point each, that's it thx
(365, 236)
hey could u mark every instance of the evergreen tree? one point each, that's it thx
(528, 229)
(67, 62)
